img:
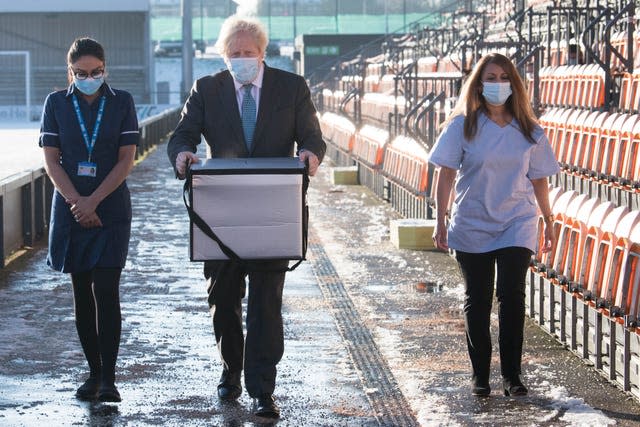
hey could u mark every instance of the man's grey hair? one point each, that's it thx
(237, 24)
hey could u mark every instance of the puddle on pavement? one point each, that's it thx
(428, 287)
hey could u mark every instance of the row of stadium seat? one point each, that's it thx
(630, 91)
(572, 86)
(586, 292)
(377, 107)
(596, 145)
(401, 160)
(597, 254)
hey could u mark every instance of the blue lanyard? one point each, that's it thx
(85, 135)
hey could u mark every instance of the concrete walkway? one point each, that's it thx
(365, 344)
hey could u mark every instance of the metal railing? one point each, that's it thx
(25, 198)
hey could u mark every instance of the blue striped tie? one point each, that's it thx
(248, 115)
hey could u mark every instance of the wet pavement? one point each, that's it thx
(373, 335)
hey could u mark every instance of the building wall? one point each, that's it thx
(317, 52)
(48, 35)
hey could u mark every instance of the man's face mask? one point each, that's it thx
(244, 70)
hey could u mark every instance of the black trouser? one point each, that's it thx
(98, 321)
(265, 335)
(478, 271)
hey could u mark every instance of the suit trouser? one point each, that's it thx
(479, 272)
(265, 335)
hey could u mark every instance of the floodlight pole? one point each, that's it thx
(386, 18)
(295, 18)
(187, 49)
(269, 14)
(404, 14)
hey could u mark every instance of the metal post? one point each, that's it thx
(27, 214)
(27, 61)
(337, 25)
(295, 18)
(38, 207)
(386, 18)
(269, 15)
(1, 232)
(187, 48)
(404, 15)
(201, 17)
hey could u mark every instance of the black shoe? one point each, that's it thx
(229, 387)
(480, 388)
(108, 393)
(265, 406)
(513, 387)
(89, 390)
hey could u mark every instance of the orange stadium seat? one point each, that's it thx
(598, 246)
(378, 106)
(588, 140)
(619, 244)
(593, 95)
(340, 131)
(407, 162)
(590, 238)
(369, 144)
(631, 166)
(561, 253)
(559, 207)
(575, 129)
(575, 242)
(625, 143)
(609, 134)
(613, 154)
(545, 85)
(628, 87)
(628, 293)
(558, 123)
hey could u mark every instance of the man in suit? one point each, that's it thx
(220, 108)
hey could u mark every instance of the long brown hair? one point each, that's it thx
(471, 100)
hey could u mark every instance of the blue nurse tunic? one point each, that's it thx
(495, 205)
(73, 248)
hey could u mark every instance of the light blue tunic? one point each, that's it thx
(495, 206)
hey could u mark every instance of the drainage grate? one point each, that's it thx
(388, 402)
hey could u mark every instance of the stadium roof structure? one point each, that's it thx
(75, 6)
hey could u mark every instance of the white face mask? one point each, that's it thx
(496, 93)
(244, 70)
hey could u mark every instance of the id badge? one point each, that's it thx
(87, 169)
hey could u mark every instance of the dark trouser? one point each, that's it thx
(478, 271)
(265, 335)
(96, 302)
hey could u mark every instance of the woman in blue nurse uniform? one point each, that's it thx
(89, 133)
(500, 159)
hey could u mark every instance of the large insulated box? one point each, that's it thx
(254, 207)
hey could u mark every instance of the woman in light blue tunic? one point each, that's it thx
(500, 160)
(89, 134)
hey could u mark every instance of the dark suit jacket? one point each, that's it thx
(286, 116)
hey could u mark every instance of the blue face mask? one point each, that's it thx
(496, 93)
(88, 86)
(244, 70)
